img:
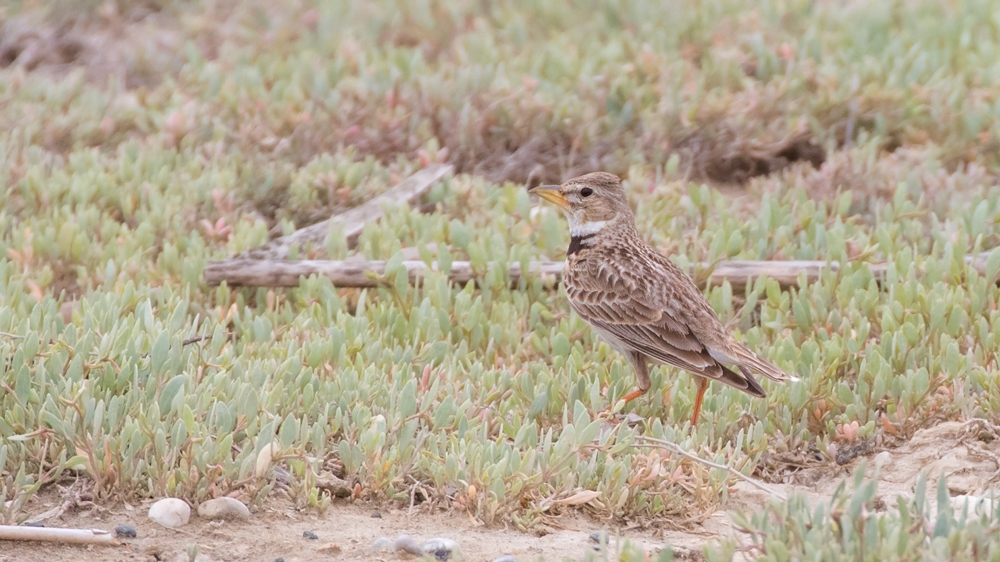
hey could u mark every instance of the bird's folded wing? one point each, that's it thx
(668, 322)
(673, 348)
(649, 332)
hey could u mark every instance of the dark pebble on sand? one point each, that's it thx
(310, 535)
(34, 524)
(125, 531)
(376, 515)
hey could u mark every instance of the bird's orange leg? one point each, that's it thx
(641, 378)
(633, 395)
(628, 398)
(702, 387)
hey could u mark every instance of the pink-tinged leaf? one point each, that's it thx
(579, 498)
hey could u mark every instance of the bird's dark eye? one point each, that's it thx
(586, 192)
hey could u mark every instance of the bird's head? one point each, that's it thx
(592, 202)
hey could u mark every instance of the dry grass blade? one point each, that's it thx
(674, 447)
(972, 435)
(578, 498)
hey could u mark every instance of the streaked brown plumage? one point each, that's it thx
(642, 304)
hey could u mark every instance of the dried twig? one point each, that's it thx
(73, 497)
(48, 534)
(195, 339)
(971, 435)
(354, 220)
(413, 495)
(334, 485)
(287, 273)
(11, 336)
(674, 447)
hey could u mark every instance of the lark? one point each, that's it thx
(640, 302)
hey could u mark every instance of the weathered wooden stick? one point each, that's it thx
(286, 273)
(352, 220)
(70, 536)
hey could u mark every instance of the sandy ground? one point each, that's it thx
(347, 530)
(277, 533)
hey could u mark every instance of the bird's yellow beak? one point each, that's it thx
(551, 194)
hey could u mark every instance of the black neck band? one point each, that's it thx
(576, 243)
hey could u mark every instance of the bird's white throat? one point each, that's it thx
(585, 228)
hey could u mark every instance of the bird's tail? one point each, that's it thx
(758, 364)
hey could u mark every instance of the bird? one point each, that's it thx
(641, 303)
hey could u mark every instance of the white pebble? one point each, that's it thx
(223, 508)
(405, 543)
(976, 505)
(170, 512)
(442, 549)
(882, 460)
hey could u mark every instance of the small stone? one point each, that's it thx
(170, 512)
(376, 515)
(310, 535)
(600, 538)
(223, 508)
(405, 543)
(282, 477)
(632, 418)
(505, 558)
(882, 460)
(442, 549)
(34, 524)
(125, 531)
(279, 559)
(382, 543)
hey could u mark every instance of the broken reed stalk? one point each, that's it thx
(47, 534)
(360, 274)
(352, 221)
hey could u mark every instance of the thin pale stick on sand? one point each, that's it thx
(48, 534)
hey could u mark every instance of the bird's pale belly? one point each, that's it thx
(615, 343)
